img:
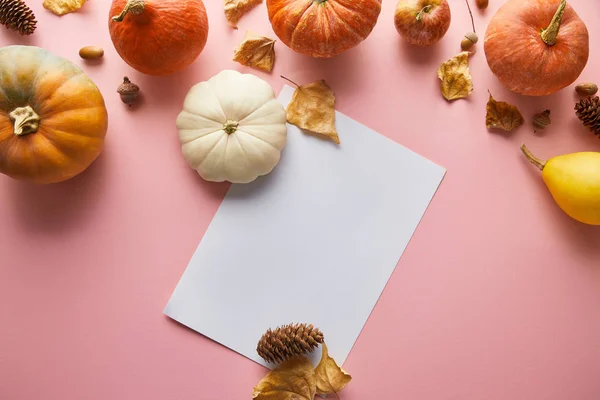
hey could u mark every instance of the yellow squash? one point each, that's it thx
(574, 182)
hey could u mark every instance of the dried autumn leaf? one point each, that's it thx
(62, 7)
(456, 77)
(313, 108)
(256, 51)
(502, 115)
(235, 9)
(330, 377)
(292, 380)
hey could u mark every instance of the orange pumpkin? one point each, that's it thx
(52, 116)
(323, 28)
(536, 47)
(158, 37)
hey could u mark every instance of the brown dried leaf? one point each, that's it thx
(456, 77)
(541, 120)
(313, 108)
(502, 115)
(292, 380)
(330, 377)
(235, 9)
(62, 7)
(256, 51)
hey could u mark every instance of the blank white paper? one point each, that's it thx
(314, 241)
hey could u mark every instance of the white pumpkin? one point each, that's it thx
(232, 128)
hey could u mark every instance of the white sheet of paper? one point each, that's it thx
(314, 241)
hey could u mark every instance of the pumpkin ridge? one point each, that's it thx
(346, 24)
(257, 138)
(302, 17)
(198, 137)
(243, 120)
(212, 149)
(58, 112)
(284, 9)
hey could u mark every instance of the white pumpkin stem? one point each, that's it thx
(424, 10)
(25, 119)
(230, 126)
(136, 7)
(541, 164)
(550, 34)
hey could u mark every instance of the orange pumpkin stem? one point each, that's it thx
(136, 7)
(424, 10)
(541, 164)
(25, 119)
(550, 34)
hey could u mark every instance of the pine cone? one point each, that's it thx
(588, 111)
(288, 341)
(15, 15)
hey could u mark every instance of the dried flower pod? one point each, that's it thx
(469, 41)
(542, 120)
(128, 91)
(482, 4)
(587, 89)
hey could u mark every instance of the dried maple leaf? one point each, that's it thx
(292, 380)
(456, 77)
(256, 51)
(502, 115)
(313, 108)
(61, 7)
(234, 9)
(330, 377)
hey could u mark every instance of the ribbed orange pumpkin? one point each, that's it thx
(537, 47)
(158, 37)
(323, 28)
(52, 116)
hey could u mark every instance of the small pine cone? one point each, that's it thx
(287, 341)
(588, 111)
(15, 15)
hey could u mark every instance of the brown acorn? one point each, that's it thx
(128, 91)
(469, 41)
(482, 4)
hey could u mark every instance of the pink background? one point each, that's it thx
(497, 296)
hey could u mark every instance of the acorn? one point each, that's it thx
(587, 89)
(469, 41)
(128, 91)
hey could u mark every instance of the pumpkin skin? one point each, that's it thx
(323, 28)
(159, 37)
(232, 128)
(72, 116)
(522, 60)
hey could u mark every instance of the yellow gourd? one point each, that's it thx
(574, 182)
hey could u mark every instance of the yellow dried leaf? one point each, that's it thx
(256, 51)
(456, 77)
(62, 7)
(330, 377)
(235, 9)
(292, 380)
(502, 115)
(313, 108)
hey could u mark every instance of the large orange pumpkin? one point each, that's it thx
(323, 28)
(158, 37)
(52, 116)
(536, 47)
